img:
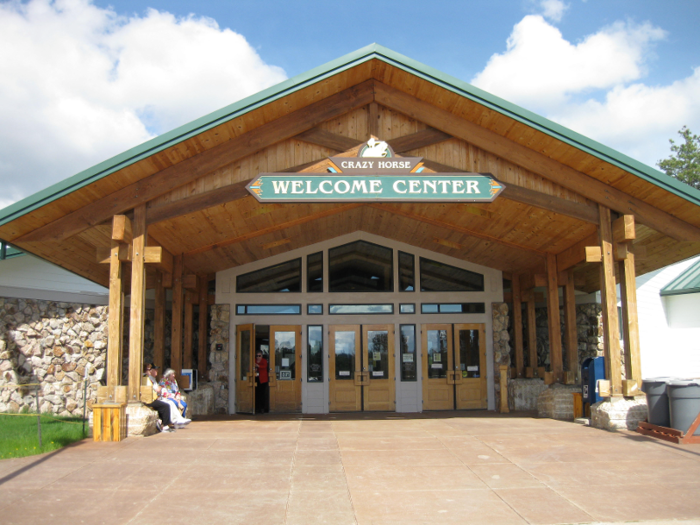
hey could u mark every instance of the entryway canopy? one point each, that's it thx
(178, 204)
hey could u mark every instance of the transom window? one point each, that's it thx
(361, 267)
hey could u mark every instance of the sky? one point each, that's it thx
(84, 80)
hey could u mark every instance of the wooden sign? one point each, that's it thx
(378, 179)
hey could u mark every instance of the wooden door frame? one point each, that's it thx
(240, 387)
(391, 333)
(274, 382)
(357, 380)
(424, 328)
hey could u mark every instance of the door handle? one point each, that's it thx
(450, 377)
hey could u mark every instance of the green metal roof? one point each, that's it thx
(8, 252)
(371, 52)
(687, 282)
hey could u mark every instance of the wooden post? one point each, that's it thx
(373, 124)
(187, 338)
(503, 381)
(571, 328)
(608, 294)
(630, 322)
(518, 326)
(159, 323)
(176, 336)
(115, 321)
(138, 303)
(203, 327)
(532, 332)
(554, 319)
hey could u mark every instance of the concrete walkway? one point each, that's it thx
(473, 467)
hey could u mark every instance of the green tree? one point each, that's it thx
(684, 162)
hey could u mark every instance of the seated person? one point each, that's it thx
(163, 408)
(177, 419)
(169, 383)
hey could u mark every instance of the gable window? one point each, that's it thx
(361, 267)
(314, 272)
(407, 272)
(284, 277)
(439, 277)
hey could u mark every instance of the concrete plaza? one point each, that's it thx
(448, 467)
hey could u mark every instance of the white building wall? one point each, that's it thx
(408, 394)
(669, 327)
(29, 277)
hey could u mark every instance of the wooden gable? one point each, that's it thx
(197, 206)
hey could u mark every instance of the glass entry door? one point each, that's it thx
(245, 377)
(285, 368)
(470, 366)
(362, 368)
(438, 367)
(454, 366)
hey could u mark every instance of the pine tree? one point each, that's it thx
(684, 162)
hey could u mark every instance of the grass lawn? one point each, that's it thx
(19, 437)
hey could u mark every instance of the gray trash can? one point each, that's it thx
(684, 403)
(657, 400)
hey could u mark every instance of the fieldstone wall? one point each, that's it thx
(58, 345)
(501, 344)
(590, 334)
(219, 355)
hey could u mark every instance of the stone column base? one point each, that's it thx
(557, 402)
(140, 420)
(201, 402)
(523, 393)
(619, 413)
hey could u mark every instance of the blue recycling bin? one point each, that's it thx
(657, 400)
(592, 369)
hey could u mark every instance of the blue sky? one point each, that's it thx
(81, 80)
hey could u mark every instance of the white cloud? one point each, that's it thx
(541, 68)
(79, 84)
(553, 9)
(596, 86)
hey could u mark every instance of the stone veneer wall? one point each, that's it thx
(53, 344)
(220, 315)
(501, 344)
(590, 334)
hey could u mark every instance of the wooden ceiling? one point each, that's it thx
(197, 204)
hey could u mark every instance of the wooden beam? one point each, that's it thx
(199, 165)
(630, 320)
(327, 139)
(176, 330)
(196, 203)
(518, 326)
(160, 258)
(532, 332)
(594, 189)
(137, 313)
(420, 139)
(121, 229)
(608, 294)
(188, 332)
(554, 319)
(397, 210)
(575, 210)
(623, 229)
(575, 254)
(104, 255)
(276, 227)
(570, 324)
(529, 281)
(202, 357)
(373, 120)
(593, 254)
(115, 321)
(189, 282)
(159, 323)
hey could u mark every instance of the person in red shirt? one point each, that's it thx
(262, 387)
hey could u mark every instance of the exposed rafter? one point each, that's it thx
(195, 167)
(536, 162)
